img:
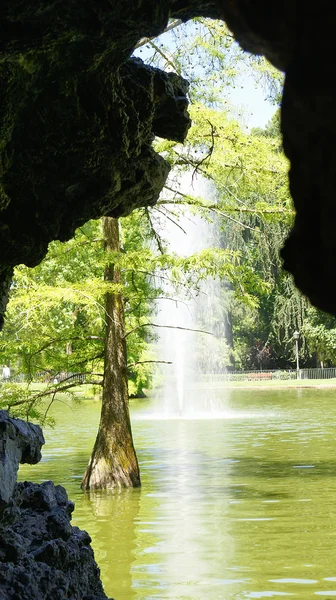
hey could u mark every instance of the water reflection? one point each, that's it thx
(113, 517)
(236, 508)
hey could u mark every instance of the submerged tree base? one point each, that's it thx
(113, 463)
(102, 473)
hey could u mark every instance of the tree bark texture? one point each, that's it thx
(113, 462)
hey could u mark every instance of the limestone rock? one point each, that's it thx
(20, 442)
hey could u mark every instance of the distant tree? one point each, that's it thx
(319, 334)
(272, 128)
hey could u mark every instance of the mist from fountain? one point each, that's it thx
(190, 387)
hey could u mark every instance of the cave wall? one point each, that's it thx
(77, 119)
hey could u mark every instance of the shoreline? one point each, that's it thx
(264, 385)
(291, 386)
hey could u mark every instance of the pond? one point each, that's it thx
(238, 506)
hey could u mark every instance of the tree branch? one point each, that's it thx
(154, 232)
(169, 218)
(211, 149)
(189, 200)
(141, 362)
(63, 340)
(167, 327)
(169, 27)
(166, 58)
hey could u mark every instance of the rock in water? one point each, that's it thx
(20, 442)
(41, 555)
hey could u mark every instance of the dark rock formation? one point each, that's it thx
(77, 119)
(84, 151)
(41, 555)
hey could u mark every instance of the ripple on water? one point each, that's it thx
(294, 580)
(196, 416)
(267, 594)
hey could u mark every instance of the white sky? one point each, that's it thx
(249, 100)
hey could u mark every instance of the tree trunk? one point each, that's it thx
(113, 462)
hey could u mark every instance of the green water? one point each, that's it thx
(236, 507)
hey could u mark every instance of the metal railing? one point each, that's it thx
(329, 373)
(275, 374)
(250, 375)
(42, 377)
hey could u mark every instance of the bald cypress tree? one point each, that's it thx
(113, 461)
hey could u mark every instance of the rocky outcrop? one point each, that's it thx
(20, 442)
(77, 118)
(83, 149)
(41, 554)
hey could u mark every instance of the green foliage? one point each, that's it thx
(319, 331)
(249, 200)
(31, 402)
(272, 129)
(56, 317)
